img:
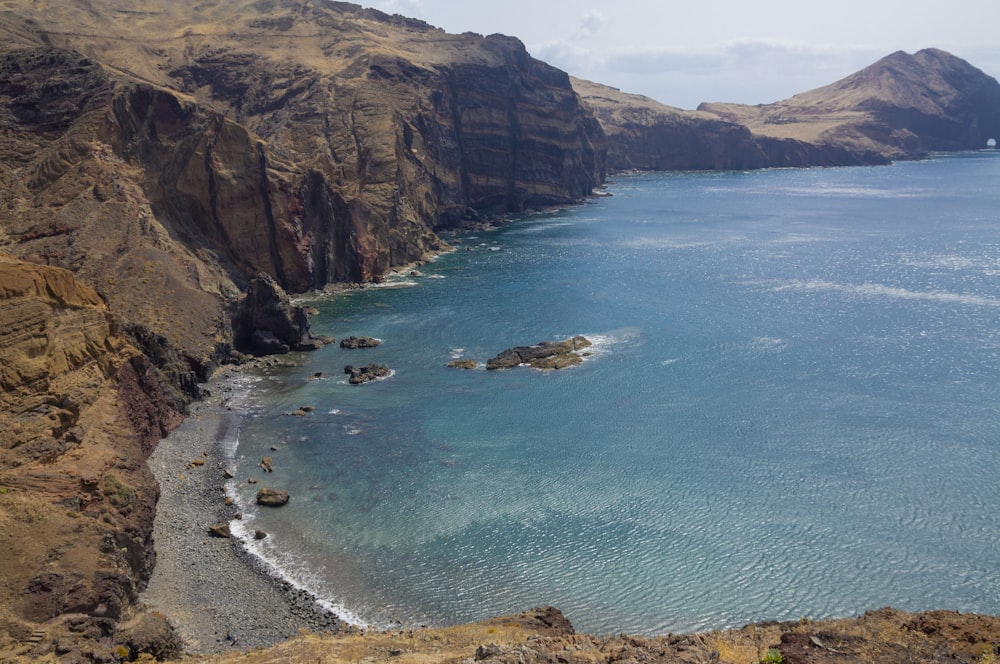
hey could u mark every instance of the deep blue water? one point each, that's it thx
(793, 410)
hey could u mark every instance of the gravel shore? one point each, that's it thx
(210, 588)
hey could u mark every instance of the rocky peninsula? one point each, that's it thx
(167, 181)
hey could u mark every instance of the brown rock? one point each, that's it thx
(462, 364)
(367, 374)
(354, 343)
(220, 530)
(544, 355)
(267, 464)
(271, 497)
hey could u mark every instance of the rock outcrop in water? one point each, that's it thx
(543, 355)
(366, 374)
(266, 322)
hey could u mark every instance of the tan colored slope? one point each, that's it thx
(79, 414)
(899, 105)
(150, 40)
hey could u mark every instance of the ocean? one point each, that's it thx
(792, 409)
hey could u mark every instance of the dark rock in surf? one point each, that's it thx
(544, 355)
(354, 343)
(366, 374)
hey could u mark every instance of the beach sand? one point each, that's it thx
(208, 587)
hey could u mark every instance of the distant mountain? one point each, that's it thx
(901, 107)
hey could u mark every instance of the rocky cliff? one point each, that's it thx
(80, 410)
(315, 142)
(165, 156)
(901, 107)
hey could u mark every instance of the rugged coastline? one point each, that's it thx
(146, 187)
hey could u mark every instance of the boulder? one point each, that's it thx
(366, 374)
(462, 364)
(354, 343)
(271, 497)
(259, 534)
(267, 464)
(220, 530)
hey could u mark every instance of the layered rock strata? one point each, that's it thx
(80, 411)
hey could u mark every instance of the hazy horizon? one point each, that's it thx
(682, 54)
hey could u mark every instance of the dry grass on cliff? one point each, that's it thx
(883, 636)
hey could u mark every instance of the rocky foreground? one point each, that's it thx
(545, 636)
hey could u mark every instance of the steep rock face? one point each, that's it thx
(901, 107)
(166, 176)
(76, 195)
(342, 145)
(648, 136)
(80, 412)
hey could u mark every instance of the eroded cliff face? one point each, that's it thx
(80, 411)
(165, 164)
(323, 142)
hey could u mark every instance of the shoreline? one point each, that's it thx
(211, 588)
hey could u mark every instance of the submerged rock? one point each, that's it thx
(462, 364)
(544, 355)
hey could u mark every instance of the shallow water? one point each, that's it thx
(791, 410)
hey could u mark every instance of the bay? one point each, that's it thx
(791, 410)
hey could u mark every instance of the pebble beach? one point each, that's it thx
(218, 597)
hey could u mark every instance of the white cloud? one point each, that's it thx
(590, 23)
(404, 7)
(771, 69)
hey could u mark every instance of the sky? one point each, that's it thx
(684, 52)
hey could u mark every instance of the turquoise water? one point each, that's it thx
(793, 409)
